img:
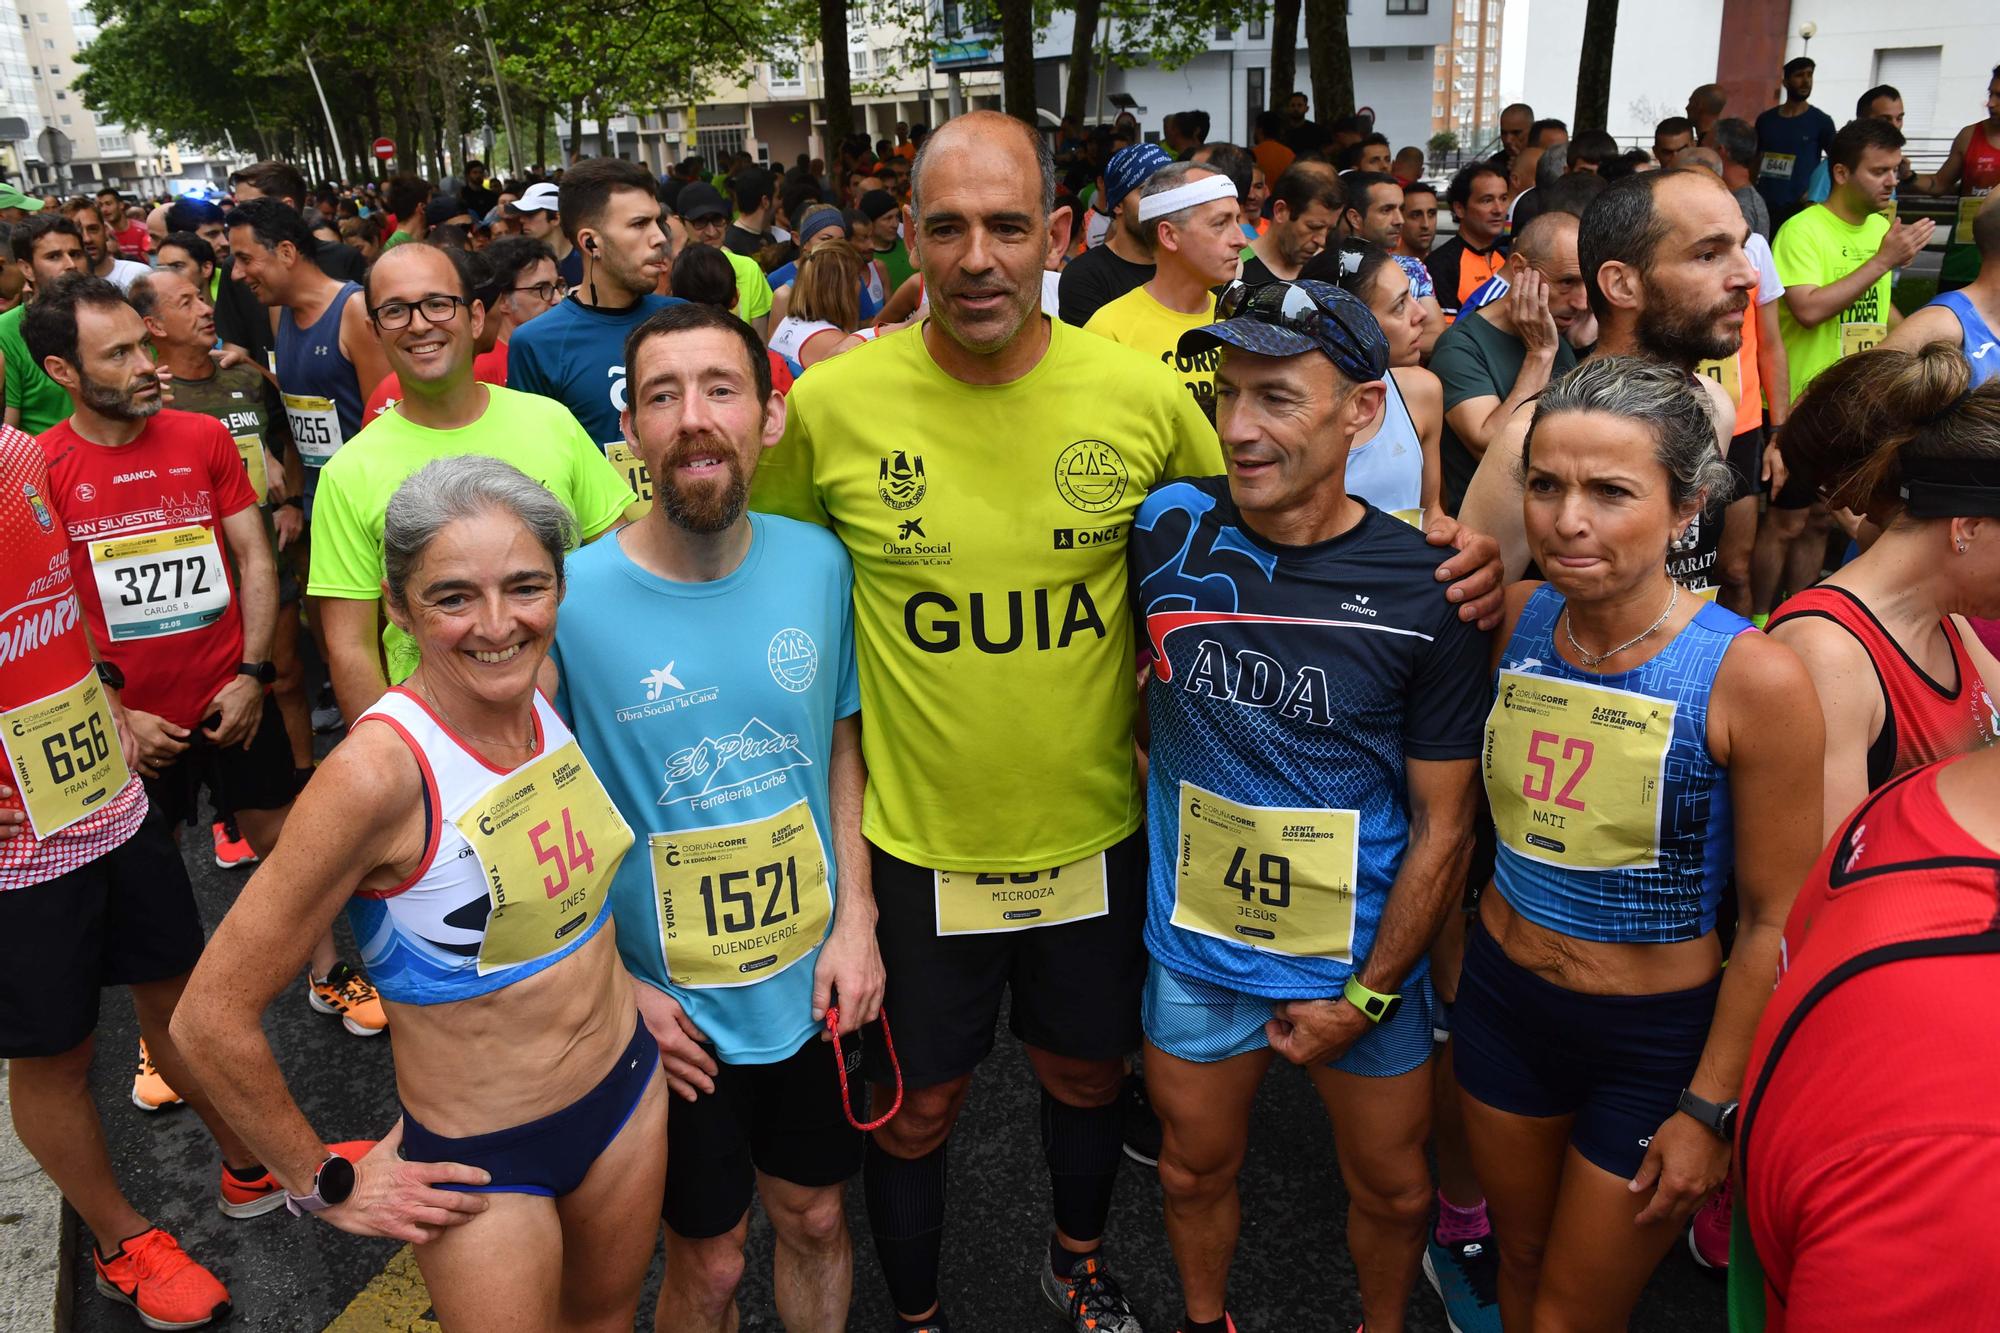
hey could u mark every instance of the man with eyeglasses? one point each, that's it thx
(427, 317)
(1315, 715)
(575, 353)
(515, 280)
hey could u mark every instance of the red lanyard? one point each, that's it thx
(840, 1067)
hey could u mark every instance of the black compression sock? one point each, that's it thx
(906, 1214)
(1082, 1145)
(1205, 1325)
(248, 1175)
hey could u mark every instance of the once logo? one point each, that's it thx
(1091, 476)
(900, 480)
(794, 660)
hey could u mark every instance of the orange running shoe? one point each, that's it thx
(346, 992)
(240, 1198)
(150, 1091)
(232, 849)
(153, 1275)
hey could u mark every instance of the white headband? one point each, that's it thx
(1185, 196)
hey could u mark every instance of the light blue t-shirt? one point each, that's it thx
(575, 354)
(708, 710)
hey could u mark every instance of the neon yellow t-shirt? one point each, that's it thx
(535, 434)
(1815, 248)
(753, 289)
(1137, 319)
(987, 524)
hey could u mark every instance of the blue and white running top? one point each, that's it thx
(1980, 345)
(1289, 687)
(1614, 821)
(517, 863)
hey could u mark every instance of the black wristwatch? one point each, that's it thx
(109, 673)
(332, 1184)
(292, 502)
(262, 672)
(1718, 1117)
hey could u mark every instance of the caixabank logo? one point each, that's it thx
(1091, 476)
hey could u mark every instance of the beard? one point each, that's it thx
(1681, 336)
(110, 401)
(706, 509)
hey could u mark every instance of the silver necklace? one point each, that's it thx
(1592, 659)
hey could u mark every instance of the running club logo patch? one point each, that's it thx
(35, 504)
(900, 480)
(1091, 476)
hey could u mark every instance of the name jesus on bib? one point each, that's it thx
(1573, 771)
(1274, 878)
(741, 902)
(160, 582)
(550, 840)
(63, 755)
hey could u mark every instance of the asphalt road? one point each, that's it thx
(297, 1276)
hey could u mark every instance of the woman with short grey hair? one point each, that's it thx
(473, 848)
(1599, 1042)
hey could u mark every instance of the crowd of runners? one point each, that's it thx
(1539, 679)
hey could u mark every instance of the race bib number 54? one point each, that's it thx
(1573, 771)
(1273, 878)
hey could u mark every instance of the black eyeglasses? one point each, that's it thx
(438, 309)
(548, 293)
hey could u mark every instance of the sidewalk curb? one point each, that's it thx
(36, 1237)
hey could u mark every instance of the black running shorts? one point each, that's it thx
(783, 1119)
(259, 778)
(126, 918)
(1075, 986)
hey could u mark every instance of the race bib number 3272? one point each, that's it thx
(160, 582)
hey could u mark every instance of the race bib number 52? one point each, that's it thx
(1573, 771)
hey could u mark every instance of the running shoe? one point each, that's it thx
(1466, 1277)
(149, 1090)
(240, 1198)
(1141, 1128)
(1089, 1299)
(153, 1275)
(1708, 1233)
(346, 992)
(232, 849)
(326, 718)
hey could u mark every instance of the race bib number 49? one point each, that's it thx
(160, 582)
(63, 755)
(550, 840)
(1274, 878)
(741, 902)
(1573, 772)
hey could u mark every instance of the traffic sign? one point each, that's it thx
(385, 149)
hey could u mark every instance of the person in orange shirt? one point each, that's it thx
(1266, 147)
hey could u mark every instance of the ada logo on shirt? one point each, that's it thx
(900, 480)
(1091, 475)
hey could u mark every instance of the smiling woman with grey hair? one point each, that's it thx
(464, 832)
(1599, 1041)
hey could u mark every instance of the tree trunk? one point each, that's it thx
(1284, 55)
(454, 125)
(1082, 46)
(541, 136)
(399, 110)
(836, 93)
(1593, 69)
(607, 142)
(575, 130)
(1332, 60)
(1017, 73)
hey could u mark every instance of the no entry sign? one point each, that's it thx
(385, 149)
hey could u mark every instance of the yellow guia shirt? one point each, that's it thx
(1137, 319)
(987, 524)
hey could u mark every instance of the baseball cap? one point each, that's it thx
(1129, 168)
(700, 200)
(1797, 63)
(1292, 318)
(541, 197)
(10, 197)
(876, 203)
(189, 214)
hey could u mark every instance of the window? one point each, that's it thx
(1257, 26)
(857, 61)
(1912, 71)
(65, 120)
(1224, 33)
(1440, 55)
(1378, 55)
(61, 96)
(1253, 84)
(1437, 85)
(55, 69)
(48, 44)
(1417, 52)
(1409, 6)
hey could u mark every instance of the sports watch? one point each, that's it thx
(332, 1183)
(1378, 1007)
(109, 673)
(263, 672)
(1718, 1117)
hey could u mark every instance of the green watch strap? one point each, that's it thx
(1374, 1004)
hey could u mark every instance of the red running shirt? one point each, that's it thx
(145, 533)
(1870, 1130)
(42, 653)
(1922, 720)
